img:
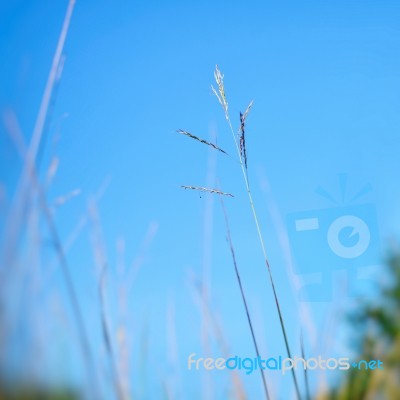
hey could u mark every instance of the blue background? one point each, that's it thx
(324, 76)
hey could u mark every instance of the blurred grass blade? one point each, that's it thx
(308, 397)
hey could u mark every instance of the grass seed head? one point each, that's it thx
(208, 190)
(219, 79)
(242, 139)
(186, 133)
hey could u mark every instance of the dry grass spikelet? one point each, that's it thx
(219, 79)
(208, 190)
(242, 139)
(186, 133)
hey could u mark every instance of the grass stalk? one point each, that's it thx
(307, 384)
(16, 136)
(102, 264)
(223, 101)
(229, 238)
(15, 219)
(107, 338)
(205, 308)
(51, 81)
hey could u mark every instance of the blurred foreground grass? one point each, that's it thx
(376, 330)
(29, 392)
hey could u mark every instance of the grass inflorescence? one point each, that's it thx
(208, 190)
(186, 133)
(240, 145)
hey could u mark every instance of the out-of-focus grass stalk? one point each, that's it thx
(16, 135)
(51, 80)
(101, 261)
(308, 397)
(213, 321)
(17, 212)
(174, 380)
(224, 103)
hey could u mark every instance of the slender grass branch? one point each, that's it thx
(224, 103)
(100, 259)
(308, 397)
(229, 239)
(84, 339)
(15, 220)
(35, 185)
(198, 288)
(107, 337)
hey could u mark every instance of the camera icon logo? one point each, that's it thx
(343, 246)
(343, 238)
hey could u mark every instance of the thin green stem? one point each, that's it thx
(261, 239)
(228, 234)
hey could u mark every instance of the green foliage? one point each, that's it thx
(377, 333)
(28, 392)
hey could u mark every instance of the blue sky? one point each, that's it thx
(325, 81)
